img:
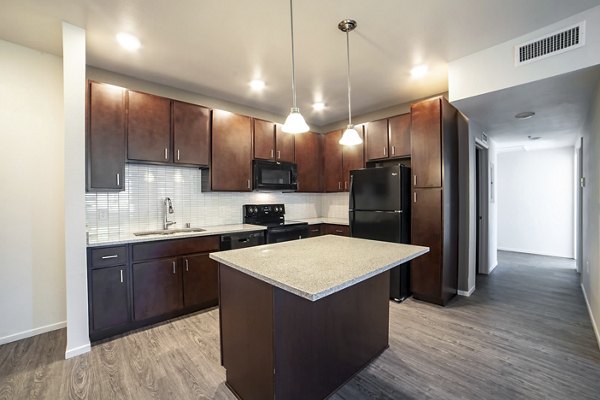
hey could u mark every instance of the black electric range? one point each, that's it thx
(273, 217)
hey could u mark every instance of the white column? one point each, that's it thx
(78, 340)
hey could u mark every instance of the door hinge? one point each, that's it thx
(582, 182)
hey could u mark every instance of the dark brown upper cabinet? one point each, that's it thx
(377, 140)
(309, 159)
(191, 134)
(271, 143)
(105, 137)
(231, 165)
(426, 161)
(399, 127)
(353, 157)
(148, 128)
(332, 155)
(284, 144)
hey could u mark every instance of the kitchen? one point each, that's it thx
(298, 206)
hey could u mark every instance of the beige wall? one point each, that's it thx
(590, 276)
(32, 257)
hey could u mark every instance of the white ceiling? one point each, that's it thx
(216, 47)
(561, 105)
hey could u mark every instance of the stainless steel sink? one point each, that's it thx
(169, 232)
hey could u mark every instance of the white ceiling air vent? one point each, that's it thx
(550, 45)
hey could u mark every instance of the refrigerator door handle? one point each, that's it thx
(351, 192)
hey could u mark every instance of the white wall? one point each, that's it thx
(493, 69)
(32, 275)
(590, 276)
(535, 202)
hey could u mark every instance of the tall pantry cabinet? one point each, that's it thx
(434, 162)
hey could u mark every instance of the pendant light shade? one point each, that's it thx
(294, 123)
(350, 137)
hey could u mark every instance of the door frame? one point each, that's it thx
(482, 190)
(579, 217)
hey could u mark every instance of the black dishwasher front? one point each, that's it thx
(240, 240)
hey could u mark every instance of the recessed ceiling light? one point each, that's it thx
(128, 41)
(257, 84)
(319, 106)
(419, 71)
(534, 137)
(525, 115)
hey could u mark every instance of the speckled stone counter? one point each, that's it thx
(317, 267)
(298, 319)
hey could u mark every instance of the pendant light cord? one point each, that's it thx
(349, 87)
(293, 60)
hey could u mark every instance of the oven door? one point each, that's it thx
(275, 176)
(286, 233)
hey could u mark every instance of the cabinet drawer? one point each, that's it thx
(108, 256)
(314, 230)
(340, 230)
(174, 247)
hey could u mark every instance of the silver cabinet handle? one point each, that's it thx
(346, 185)
(166, 153)
(177, 154)
(339, 185)
(414, 197)
(414, 180)
(384, 150)
(248, 183)
(279, 154)
(187, 265)
(121, 271)
(109, 257)
(338, 231)
(272, 153)
(118, 179)
(393, 150)
(174, 272)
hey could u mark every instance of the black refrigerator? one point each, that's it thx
(380, 210)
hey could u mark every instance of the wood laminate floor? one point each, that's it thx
(524, 334)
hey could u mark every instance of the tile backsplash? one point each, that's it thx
(114, 216)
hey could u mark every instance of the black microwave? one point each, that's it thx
(275, 176)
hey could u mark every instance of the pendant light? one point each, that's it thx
(294, 123)
(350, 136)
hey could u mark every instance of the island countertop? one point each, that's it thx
(316, 267)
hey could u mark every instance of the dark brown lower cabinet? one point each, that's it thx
(315, 230)
(109, 296)
(156, 288)
(200, 280)
(339, 230)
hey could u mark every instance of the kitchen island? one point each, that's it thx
(299, 319)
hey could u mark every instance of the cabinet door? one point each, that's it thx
(110, 304)
(264, 140)
(309, 158)
(333, 162)
(426, 160)
(231, 165)
(148, 127)
(191, 133)
(156, 288)
(284, 144)
(377, 140)
(426, 226)
(106, 137)
(353, 158)
(400, 136)
(339, 230)
(200, 281)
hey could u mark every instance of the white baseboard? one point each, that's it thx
(78, 350)
(537, 253)
(591, 315)
(32, 332)
(466, 293)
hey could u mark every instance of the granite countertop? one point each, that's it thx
(208, 231)
(317, 267)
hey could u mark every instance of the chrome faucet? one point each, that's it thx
(168, 210)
